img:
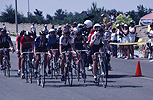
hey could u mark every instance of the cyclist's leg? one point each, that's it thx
(37, 62)
(45, 61)
(62, 64)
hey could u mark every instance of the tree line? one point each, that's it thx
(62, 16)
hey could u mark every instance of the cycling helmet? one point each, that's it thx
(79, 33)
(66, 32)
(96, 26)
(100, 29)
(22, 32)
(42, 33)
(51, 30)
(27, 33)
(80, 25)
(88, 23)
(3, 30)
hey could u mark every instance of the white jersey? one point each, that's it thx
(95, 36)
(126, 38)
(64, 42)
(131, 36)
(33, 28)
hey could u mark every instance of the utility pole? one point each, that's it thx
(16, 19)
(28, 8)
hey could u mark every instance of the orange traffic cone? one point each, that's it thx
(138, 69)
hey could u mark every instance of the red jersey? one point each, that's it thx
(26, 43)
(91, 33)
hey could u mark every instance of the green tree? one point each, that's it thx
(122, 19)
(60, 14)
(8, 15)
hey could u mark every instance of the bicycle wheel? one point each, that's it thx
(70, 75)
(42, 76)
(104, 74)
(8, 71)
(26, 72)
(30, 73)
(51, 69)
(4, 65)
(78, 72)
(56, 71)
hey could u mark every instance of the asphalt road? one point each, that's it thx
(122, 85)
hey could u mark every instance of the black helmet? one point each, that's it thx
(66, 32)
(79, 33)
(42, 33)
(100, 29)
(3, 30)
(27, 33)
(22, 32)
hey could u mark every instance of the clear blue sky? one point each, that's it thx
(50, 6)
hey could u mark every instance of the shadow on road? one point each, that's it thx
(124, 86)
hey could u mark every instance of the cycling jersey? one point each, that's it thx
(18, 40)
(64, 42)
(4, 41)
(26, 43)
(53, 42)
(97, 41)
(78, 42)
(41, 45)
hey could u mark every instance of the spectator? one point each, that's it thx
(114, 40)
(132, 33)
(4, 26)
(45, 29)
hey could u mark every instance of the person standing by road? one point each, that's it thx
(151, 44)
(132, 34)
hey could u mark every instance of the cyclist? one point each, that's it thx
(26, 44)
(79, 41)
(65, 44)
(53, 42)
(5, 40)
(97, 46)
(18, 50)
(41, 45)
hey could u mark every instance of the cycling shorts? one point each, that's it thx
(65, 48)
(4, 45)
(95, 48)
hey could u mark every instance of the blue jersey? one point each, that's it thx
(78, 42)
(41, 44)
(53, 41)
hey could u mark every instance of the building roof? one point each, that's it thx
(148, 16)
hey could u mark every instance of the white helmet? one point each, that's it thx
(88, 23)
(51, 30)
(96, 25)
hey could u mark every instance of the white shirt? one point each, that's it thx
(63, 41)
(113, 37)
(131, 36)
(95, 36)
(33, 28)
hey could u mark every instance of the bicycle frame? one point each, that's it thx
(5, 61)
(41, 70)
(28, 67)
